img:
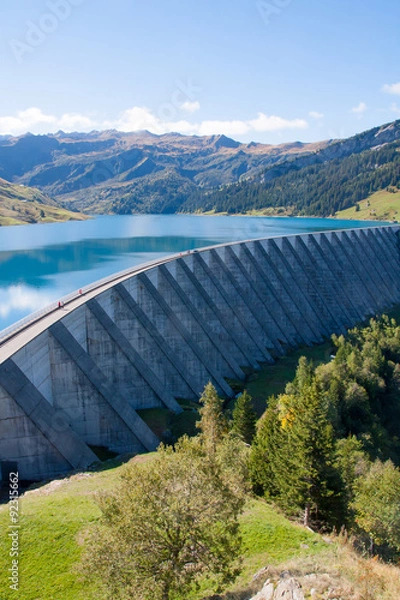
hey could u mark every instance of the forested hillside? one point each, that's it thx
(328, 447)
(320, 189)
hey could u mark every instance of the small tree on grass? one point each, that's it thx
(244, 418)
(170, 521)
(213, 424)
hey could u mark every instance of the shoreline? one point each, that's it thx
(81, 217)
(277, 216)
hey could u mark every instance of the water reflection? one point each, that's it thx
(41, 263)
(35, 266)
(32, 279)
(20, 299)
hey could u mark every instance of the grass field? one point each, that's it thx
(381, 206)
(269, 380)
(168, 426)
(36, 213)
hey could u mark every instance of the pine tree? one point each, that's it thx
(298, 450)
(213, 423)
(264, 460)
(244, 418)
(311, 482)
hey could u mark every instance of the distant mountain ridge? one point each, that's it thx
(111, 171)
(116, 172)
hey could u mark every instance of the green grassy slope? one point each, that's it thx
(21, 205)
(55, 520)
(381, 206)
(271, 380)
(54, 523)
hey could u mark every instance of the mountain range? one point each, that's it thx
(116, 172)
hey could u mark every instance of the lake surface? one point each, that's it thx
(41, 263)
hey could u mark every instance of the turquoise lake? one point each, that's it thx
(41, 263)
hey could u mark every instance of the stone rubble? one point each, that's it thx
(288, 588)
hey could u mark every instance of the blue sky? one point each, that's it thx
(272, 71)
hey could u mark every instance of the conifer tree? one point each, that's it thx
(213, 423)
(264, 460)
(352, 463)
(297, 444)
(244, 418)
(310, 480)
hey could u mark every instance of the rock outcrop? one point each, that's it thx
(288, 588)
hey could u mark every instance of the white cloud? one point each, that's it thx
(225, 127)
(35, 121)
(135, 119)
(274, 123)
(138, 118)
(392, 88)
(191, 107)
(316, 115)
(263, 123)
(74, 122)
(26, 120)
(360, 109)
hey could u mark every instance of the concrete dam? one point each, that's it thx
(74, 377)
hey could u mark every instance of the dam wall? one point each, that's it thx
(74, 377)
